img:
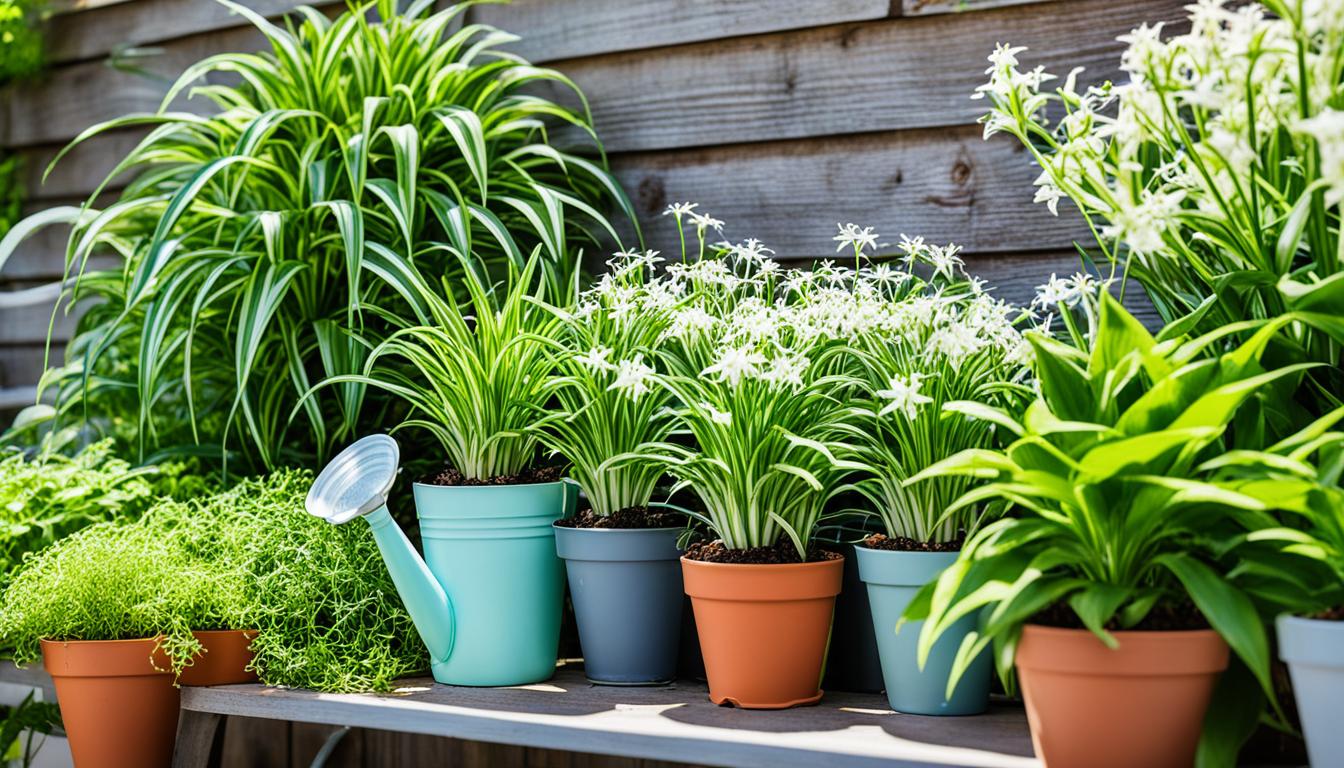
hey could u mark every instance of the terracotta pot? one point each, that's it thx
(763, 629)
(225, 659)
(119, 711)
(1142, 703)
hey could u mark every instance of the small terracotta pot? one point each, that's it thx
(119, 710)
(1142, 703)
(224, 660)
(763, 629)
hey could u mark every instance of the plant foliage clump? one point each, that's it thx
(118, 581)
(21, 44)
(326, 611)
(49, 497)
(272, 244)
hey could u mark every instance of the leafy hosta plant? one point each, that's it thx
(1119, 515)
(271, 244)
(1215, 174)
(474, 374)
(604, 406)
(941, 341)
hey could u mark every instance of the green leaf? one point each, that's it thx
(1228, 610)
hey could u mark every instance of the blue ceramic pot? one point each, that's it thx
(627, 593)
(893, 578)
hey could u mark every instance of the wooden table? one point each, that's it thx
(674, 723)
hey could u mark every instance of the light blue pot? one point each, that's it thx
(1314, 651)
(487, 596)
(893, 578)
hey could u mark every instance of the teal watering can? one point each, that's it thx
(486, 598)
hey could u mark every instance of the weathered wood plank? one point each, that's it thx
(28, 325)
(928, 7)
(80, 170)
(849, 78)
(945, 185)
(254, 743)
(673, 723)
(95, 32)
(576, 28)
(839, 79)
(21, 366)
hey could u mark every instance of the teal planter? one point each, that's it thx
(487, 596)
(893, 578)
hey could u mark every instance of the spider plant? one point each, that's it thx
(272, 244)
(1118, 509)
(749, 359)
(473, 375)
(604, 406)
(1214, 173)
(944, 341)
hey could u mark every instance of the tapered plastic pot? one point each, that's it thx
(119, 710)
(893, 578)
(852, 662)
(224, 660)
(492, 549)
(763, 629)
(1314, 652)
(1142, 703)
(627, 593)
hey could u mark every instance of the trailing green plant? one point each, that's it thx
(48, 497)
(271, 244)
(604, 407)
(473, 375)
(1119, 510)
(119, 581)
(1215, 174)
(941, 340)
(327, 614)
(21, 43)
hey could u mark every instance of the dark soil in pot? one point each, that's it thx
(1332, 614)
(903, 544)
(452, 477)
(1164, 617)
(781, 553)
(625, 519)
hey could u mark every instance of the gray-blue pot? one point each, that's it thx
(1314, 652)
(893, 578)
(627, 593)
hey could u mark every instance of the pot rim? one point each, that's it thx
(1317, 643)
(839, 561)
(558, 526)
(127, 641)
(485, 487)
(1144, 653)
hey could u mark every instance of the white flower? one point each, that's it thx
(680, 209)
(944, 259)
(1055, 291)
(704, 221)
(1327, 128)
(736, 363)
(903, 392)
(752, 251)
(786, 370)
(1048, 193)
(632, 377)
(717, 416)
(595, 359)
(853, 237)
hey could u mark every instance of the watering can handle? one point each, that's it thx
(429, 605)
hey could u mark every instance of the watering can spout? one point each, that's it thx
(424, 597)
(356, 484)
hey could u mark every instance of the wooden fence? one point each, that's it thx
(780, 117)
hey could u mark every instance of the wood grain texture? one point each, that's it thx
(842, 79)
(673, 723)
(946, 185)
(929, 7)
(254, 743)
(588, 27)
(95, 32)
